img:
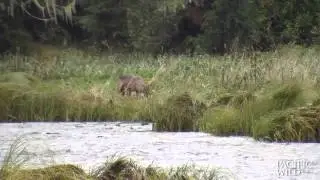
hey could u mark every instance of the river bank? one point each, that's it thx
(269, 96)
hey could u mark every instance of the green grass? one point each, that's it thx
(15, 167)
(236, 94)
(124, 168)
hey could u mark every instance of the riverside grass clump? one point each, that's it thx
(124, 168)
(235, 94)
(178, 113)
(14, 167)
(275, 116)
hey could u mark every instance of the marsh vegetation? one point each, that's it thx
(271, 96)
(230, 68)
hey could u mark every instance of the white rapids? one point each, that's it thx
(90, 144)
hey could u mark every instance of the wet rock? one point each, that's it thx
(144, 123)
(35, 133)
(79, 125)
(49, 133)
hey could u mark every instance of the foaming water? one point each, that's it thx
(90, 144)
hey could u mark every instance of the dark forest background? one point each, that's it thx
(159, 26)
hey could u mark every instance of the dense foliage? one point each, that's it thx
(160, 25)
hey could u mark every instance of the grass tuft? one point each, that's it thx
(286, 96)
(124, 168)
(178, 113)
(300, 124)
(55, 172)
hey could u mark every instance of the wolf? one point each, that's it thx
(133, 83)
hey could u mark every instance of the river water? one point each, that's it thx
(90, 144)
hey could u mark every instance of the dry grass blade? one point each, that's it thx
(15, 158)
(154, 78)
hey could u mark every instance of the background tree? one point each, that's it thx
(159, 26)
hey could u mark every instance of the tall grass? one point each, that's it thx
(228, 95)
